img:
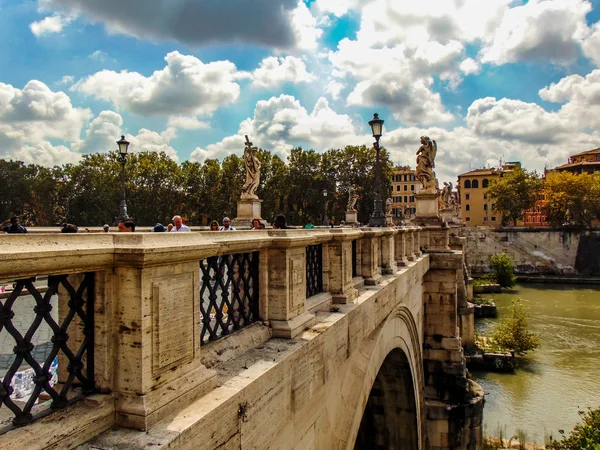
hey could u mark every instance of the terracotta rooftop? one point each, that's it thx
(595, 151)
(578, 164)
(479, 172)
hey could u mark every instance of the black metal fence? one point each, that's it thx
(30, 380)
(228, 294)
(314, 270)
(354, 244)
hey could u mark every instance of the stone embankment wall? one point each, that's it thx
(535, 251)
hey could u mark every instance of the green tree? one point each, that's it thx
(585, 435)
(513, 193)
(513, 331)
(504, 270)
(572, 199)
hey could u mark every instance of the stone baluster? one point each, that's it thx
(370, 267)
(388, 261)
(400, 248)
(339, 254)
(410, 244)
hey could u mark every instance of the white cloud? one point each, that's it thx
(185, 86)
(281, 123)
(539, 30)
(49, 25)
(274, 24)
(186, 122)
(67, 79)
(591, 45)
(45, 154)
(99, 55)
(275, 71)
(334, 88)
(470, 67)
(151, 141)
(102, 134)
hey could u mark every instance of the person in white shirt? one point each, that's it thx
(226, 226)
(178, 225)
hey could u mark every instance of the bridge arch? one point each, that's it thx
(391, 364)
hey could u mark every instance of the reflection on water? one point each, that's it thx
(561, 377)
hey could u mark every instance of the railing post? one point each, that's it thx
(400, 248)
(410, 244)
(157, 326)
(388, 260)
(287, 282)
(370, 267)
(417, 242)
(339, 252)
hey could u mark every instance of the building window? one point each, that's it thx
(468, 219)
(397, 187)
(412, 199)
(412, 187)
(485, 183)
(475, 184)
(493, 218)
(485, 207)
(468, 207)
(405, 199)
(493, 206)
(468, 196)
(406, 187)
(412, 178)
(467, 184)
(405, 177)
(484, 196)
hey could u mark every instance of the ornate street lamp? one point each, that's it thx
(123, 147)
(325, 207)
(378, 216)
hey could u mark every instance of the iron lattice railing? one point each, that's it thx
(314, 270)
(228, 294)
(354, 244)
(44, 382)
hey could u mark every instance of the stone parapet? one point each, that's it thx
(370, 267)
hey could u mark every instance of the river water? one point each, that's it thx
(558, 379)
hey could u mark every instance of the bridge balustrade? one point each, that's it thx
(132, 315)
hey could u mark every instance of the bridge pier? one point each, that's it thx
(454, 404)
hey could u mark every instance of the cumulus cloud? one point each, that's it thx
(269, 23)
(470, 67)
(186, 122)
(275, 71)
(49, 25)
(281, 123)
(334, 88)
(46, 154)
(99, 55)
(102, 134)
(185, 86)
(591, 45)
(539, 31)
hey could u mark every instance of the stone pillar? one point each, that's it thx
(157, 325)
(418, 252)
(370, 267)
(388, 260)
(400, 248)
(410, 244)
(287, 280)
(340, 265)
(454, 406)
(351, 217)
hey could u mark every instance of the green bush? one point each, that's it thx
(504, 269)
(513, 331)
(585, 435)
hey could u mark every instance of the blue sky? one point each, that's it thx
(489, 80)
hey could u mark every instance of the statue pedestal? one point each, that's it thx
(427, 206)
(247, 209)
(351, 217)
(447, 215)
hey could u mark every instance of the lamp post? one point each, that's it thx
(325, 207)
(378, 216)
(123, 147)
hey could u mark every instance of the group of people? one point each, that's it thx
(13, 226)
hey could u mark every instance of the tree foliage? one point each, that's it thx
(513, 193)
(572, 199)
(504, 270)
(585, 435)
(157, 187)
(513, 331)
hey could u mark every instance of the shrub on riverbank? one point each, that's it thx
(504, 269)
(585, 435)
(513, 331)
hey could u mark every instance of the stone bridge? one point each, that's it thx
(276, 339)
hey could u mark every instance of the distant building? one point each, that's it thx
(536, 216)
(584, 162)
(404, 188)
(476, 209)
